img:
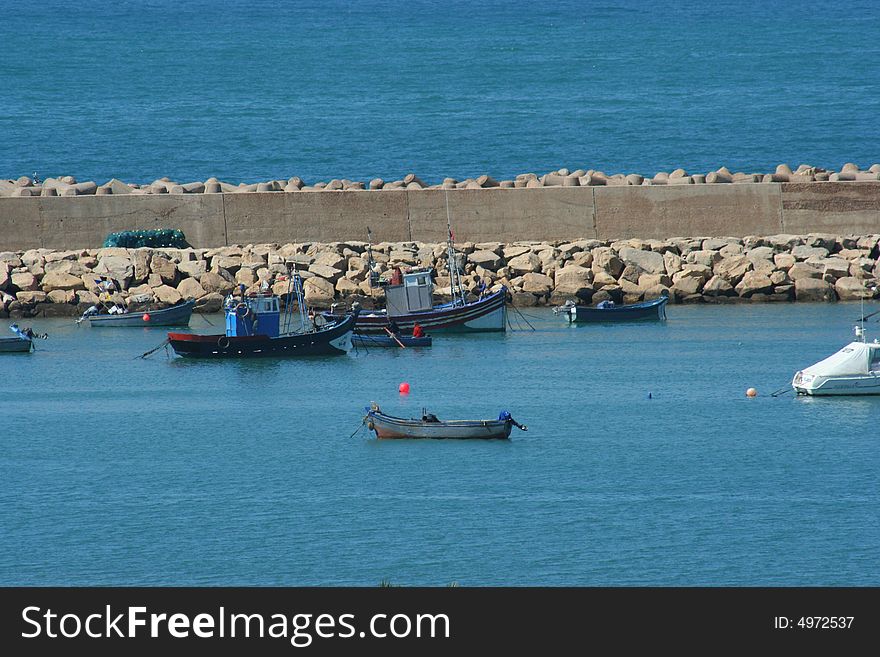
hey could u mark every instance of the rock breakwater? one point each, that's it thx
(815, 267)
(563, 177)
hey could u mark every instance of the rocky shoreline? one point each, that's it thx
(26, 186)
(815, 267)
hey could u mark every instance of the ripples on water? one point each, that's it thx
(123, 471)
(258, 89)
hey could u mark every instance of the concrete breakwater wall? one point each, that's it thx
(478, 215)
(781, 267)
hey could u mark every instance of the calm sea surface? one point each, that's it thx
(248, 90)
(118, 470)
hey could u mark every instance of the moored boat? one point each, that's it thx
(854, 370)
(256, 327)
(409, 300)
(21, 343)
(398, 341)
(608, 311)
(429, 426)
(177, 315)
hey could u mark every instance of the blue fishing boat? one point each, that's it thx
(257, 327)
(608, 311)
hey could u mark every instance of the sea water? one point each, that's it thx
(249, 90)
(644, 462)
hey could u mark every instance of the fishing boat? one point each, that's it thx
(854, 370)
(429, 426)
(410, 300)
(608, 311)
(256, 327)
(21, 343)
(398, 341)
(177, 315)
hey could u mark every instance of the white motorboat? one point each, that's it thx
(854, 370)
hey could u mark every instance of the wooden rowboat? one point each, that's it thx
(368, 341)
(388, 426)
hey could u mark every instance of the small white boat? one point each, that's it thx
(854, 370)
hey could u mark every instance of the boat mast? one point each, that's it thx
(454, 275)
(370, 263)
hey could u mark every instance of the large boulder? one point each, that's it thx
(803, 252)
(605, 260)
(525, 263)
(193, 268)
(189, 288)
(229, 263)
(210, 303)
(515, 251)
(850, 288)
(167, 294)
(487, 259)
(319, 292)
(31, 296)
(165, 269)
(61, 296)
(324, 271)
(346, 287)
(25, 281)
(672, 262)
(537, 283)
(705, 257)
(718, 286)
(649, 262)
(141, 258)
(61, 281)
(5, 279)
(117, 267)
(754, 282)
(647, 281)
(832, 268)
(732, 269)
(784, 261)
(214, 282)
(331, 259)
(803, 270)
(813, 289)
(73, 267)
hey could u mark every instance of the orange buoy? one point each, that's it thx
(751, 392)
(146, 317)
(403, 388)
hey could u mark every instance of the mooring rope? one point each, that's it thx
(154, 350)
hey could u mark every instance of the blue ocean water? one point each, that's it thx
(250, 90)
(118, 470)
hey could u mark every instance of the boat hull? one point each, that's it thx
(821, 386)
(388, 427)
(386, 341)
(178, 315)
(648, 310)
(485, 315)
(335, 340)
(15, 346)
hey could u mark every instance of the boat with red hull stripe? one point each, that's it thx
(486, 314)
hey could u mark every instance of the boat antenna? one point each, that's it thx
(452, 264)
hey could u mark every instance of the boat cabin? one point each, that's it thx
(414, 295)
(253, 315)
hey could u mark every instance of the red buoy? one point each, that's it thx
(146, 317)
(403, 388)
